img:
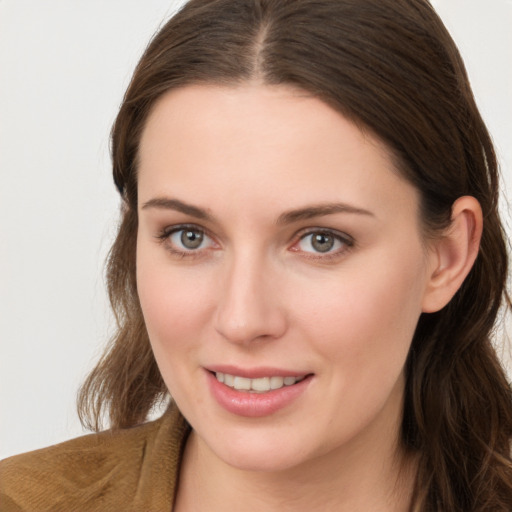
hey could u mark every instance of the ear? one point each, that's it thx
(453, 254)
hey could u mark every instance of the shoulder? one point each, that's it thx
(94, 472)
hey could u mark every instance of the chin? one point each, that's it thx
(269, 461)
(260, 452)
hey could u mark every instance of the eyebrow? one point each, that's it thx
(320, 210)
(165, 203)
(288, 217)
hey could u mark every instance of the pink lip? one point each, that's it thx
(255, 405)
(255, 373)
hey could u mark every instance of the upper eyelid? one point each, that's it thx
(179, 227)
(165, 233)
(348, 242)
(171, 228)
(335, 232)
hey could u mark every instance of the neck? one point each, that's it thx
(352, 478)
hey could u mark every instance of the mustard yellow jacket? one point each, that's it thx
(133, 469)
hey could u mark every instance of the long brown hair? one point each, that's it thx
(391, 67)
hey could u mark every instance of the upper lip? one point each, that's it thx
(255, 372)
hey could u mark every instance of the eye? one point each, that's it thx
(189, 239)
(184, 240)
(323, 242)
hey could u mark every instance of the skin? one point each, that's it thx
(257, 293)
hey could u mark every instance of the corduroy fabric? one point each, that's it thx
(133, 469)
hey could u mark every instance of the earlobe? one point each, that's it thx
(453, 254)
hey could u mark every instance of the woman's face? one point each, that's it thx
(281, 274)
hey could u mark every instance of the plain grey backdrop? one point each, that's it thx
(63, 70)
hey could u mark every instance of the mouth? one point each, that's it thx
(258, 391)
(257, 385)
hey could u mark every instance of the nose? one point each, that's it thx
(249, 306)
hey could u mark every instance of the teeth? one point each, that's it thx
(260, 385)
(242, 383)
(276, 382)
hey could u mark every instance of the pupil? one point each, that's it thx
(191, 239)
(323, 242)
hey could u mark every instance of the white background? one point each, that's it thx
(64, 66)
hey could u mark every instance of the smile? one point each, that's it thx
(259, 385)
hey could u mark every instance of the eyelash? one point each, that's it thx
(346, 240)
(166, 233)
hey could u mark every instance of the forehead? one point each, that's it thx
(262, 143)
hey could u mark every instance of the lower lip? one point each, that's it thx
(255, 405)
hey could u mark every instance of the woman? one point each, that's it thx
(310, 262)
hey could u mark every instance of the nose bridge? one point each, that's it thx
(248, 306)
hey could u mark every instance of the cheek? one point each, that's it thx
(364, 320)
(174, 303)
(175, 307)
